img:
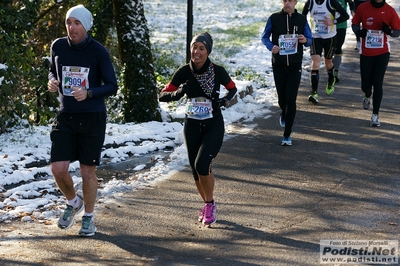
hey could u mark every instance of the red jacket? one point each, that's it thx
(371, 18)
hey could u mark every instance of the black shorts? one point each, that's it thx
(319, 44)
(78, 137)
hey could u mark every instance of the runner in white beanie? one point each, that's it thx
(82, 14)
(82, 75)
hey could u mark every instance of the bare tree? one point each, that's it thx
(140, 87)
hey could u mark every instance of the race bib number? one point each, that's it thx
(199, 108)
(74, 77)
(374, 39)
(320, 27)
(288, 44)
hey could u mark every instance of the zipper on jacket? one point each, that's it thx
(287, 32)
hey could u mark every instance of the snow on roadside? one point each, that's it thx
(27, 188)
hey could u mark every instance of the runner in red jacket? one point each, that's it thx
(378, 20)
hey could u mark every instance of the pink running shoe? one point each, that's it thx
(201, 214)
(210, 214)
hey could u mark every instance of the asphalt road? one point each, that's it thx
(339, 180)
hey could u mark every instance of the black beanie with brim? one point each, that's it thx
(204, 38)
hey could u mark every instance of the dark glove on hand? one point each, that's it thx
(185, 87)
(222, 102)
(386, 29)
(362, 33)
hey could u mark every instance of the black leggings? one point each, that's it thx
(203, 139)
(287, 81)
(373, 70)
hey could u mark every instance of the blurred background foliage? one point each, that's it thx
(27, 29)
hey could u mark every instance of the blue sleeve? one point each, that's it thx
(109, 80)
(308, 35)
(265, 38)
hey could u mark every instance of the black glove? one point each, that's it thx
(185, 87)
(362, 33)
(386, 29)
(222, 102)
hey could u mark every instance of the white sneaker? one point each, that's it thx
(66, 220)
(88, 227)
(286, 141)
(366, 102)
(375, 121)
(282, 121)
(358, 45)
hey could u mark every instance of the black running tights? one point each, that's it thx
(287, 81)
(373, 70)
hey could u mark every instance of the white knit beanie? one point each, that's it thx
(82, 14)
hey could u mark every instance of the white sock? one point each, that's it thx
(91, 214)
(75, 202)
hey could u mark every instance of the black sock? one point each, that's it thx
(314, 80)
(330, 76)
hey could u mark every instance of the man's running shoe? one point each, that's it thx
(282, 121)
(287, 141)
(88, 227)
(201, 214)
(375, 121)
(313, 97)
(366, 102)
(358, 45)
(67, 218)
(210, 214)
(330, 88)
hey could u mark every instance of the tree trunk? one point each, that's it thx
(140, 89)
